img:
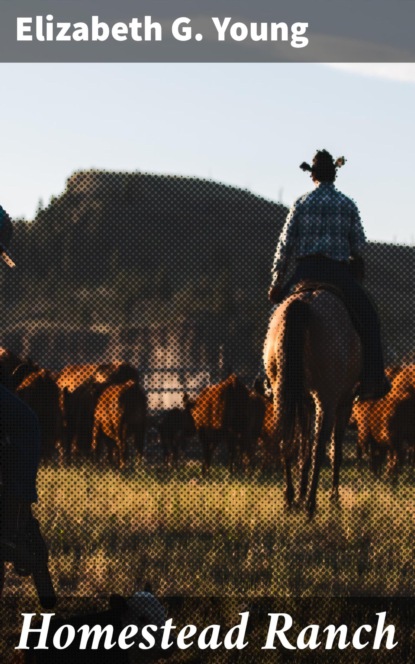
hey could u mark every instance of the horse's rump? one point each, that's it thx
(323, 322)
(312, 353)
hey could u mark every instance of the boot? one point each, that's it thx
(374, 383)
(370, 389)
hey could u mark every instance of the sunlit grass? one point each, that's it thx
(111, 532)
(224, 537)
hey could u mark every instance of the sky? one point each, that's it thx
(247, 125)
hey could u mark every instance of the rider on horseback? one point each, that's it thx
(19, 459)
(324, 233)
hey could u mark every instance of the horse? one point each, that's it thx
(312, 357)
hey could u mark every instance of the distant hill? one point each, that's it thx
(128, 249)
(105, 221)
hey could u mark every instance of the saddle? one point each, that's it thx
(312, 286)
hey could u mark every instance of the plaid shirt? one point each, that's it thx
(324, 222)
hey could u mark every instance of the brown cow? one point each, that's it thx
(359, 417)
(81, 386)
(40, 392)
(386, 428)
(215, 408)
(223, 415)
(116, 372)
(120, 412)
(79, 409)
(176, 427)
(260, 433)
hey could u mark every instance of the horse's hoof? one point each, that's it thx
(300, 500)
(335, 502)
(288, 502)
(334, 496)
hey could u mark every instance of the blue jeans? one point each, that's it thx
(20, 456)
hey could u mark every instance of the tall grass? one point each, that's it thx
(111, 532)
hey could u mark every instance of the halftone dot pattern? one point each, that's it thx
(134, 327)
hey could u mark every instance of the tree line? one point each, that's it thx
(120, 248)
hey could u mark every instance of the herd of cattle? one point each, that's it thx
(95, 411)
(386, 428)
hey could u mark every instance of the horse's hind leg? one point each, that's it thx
(305, 465)
(343, 417)
(324, 429)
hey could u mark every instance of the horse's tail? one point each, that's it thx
(292, 401)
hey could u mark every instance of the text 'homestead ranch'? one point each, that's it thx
(213, 637)
(47, 29)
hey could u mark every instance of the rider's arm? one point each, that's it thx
(357, 236)
(357, 241)
(285, 245)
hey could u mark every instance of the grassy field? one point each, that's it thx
(228, 538)
(110, 532)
